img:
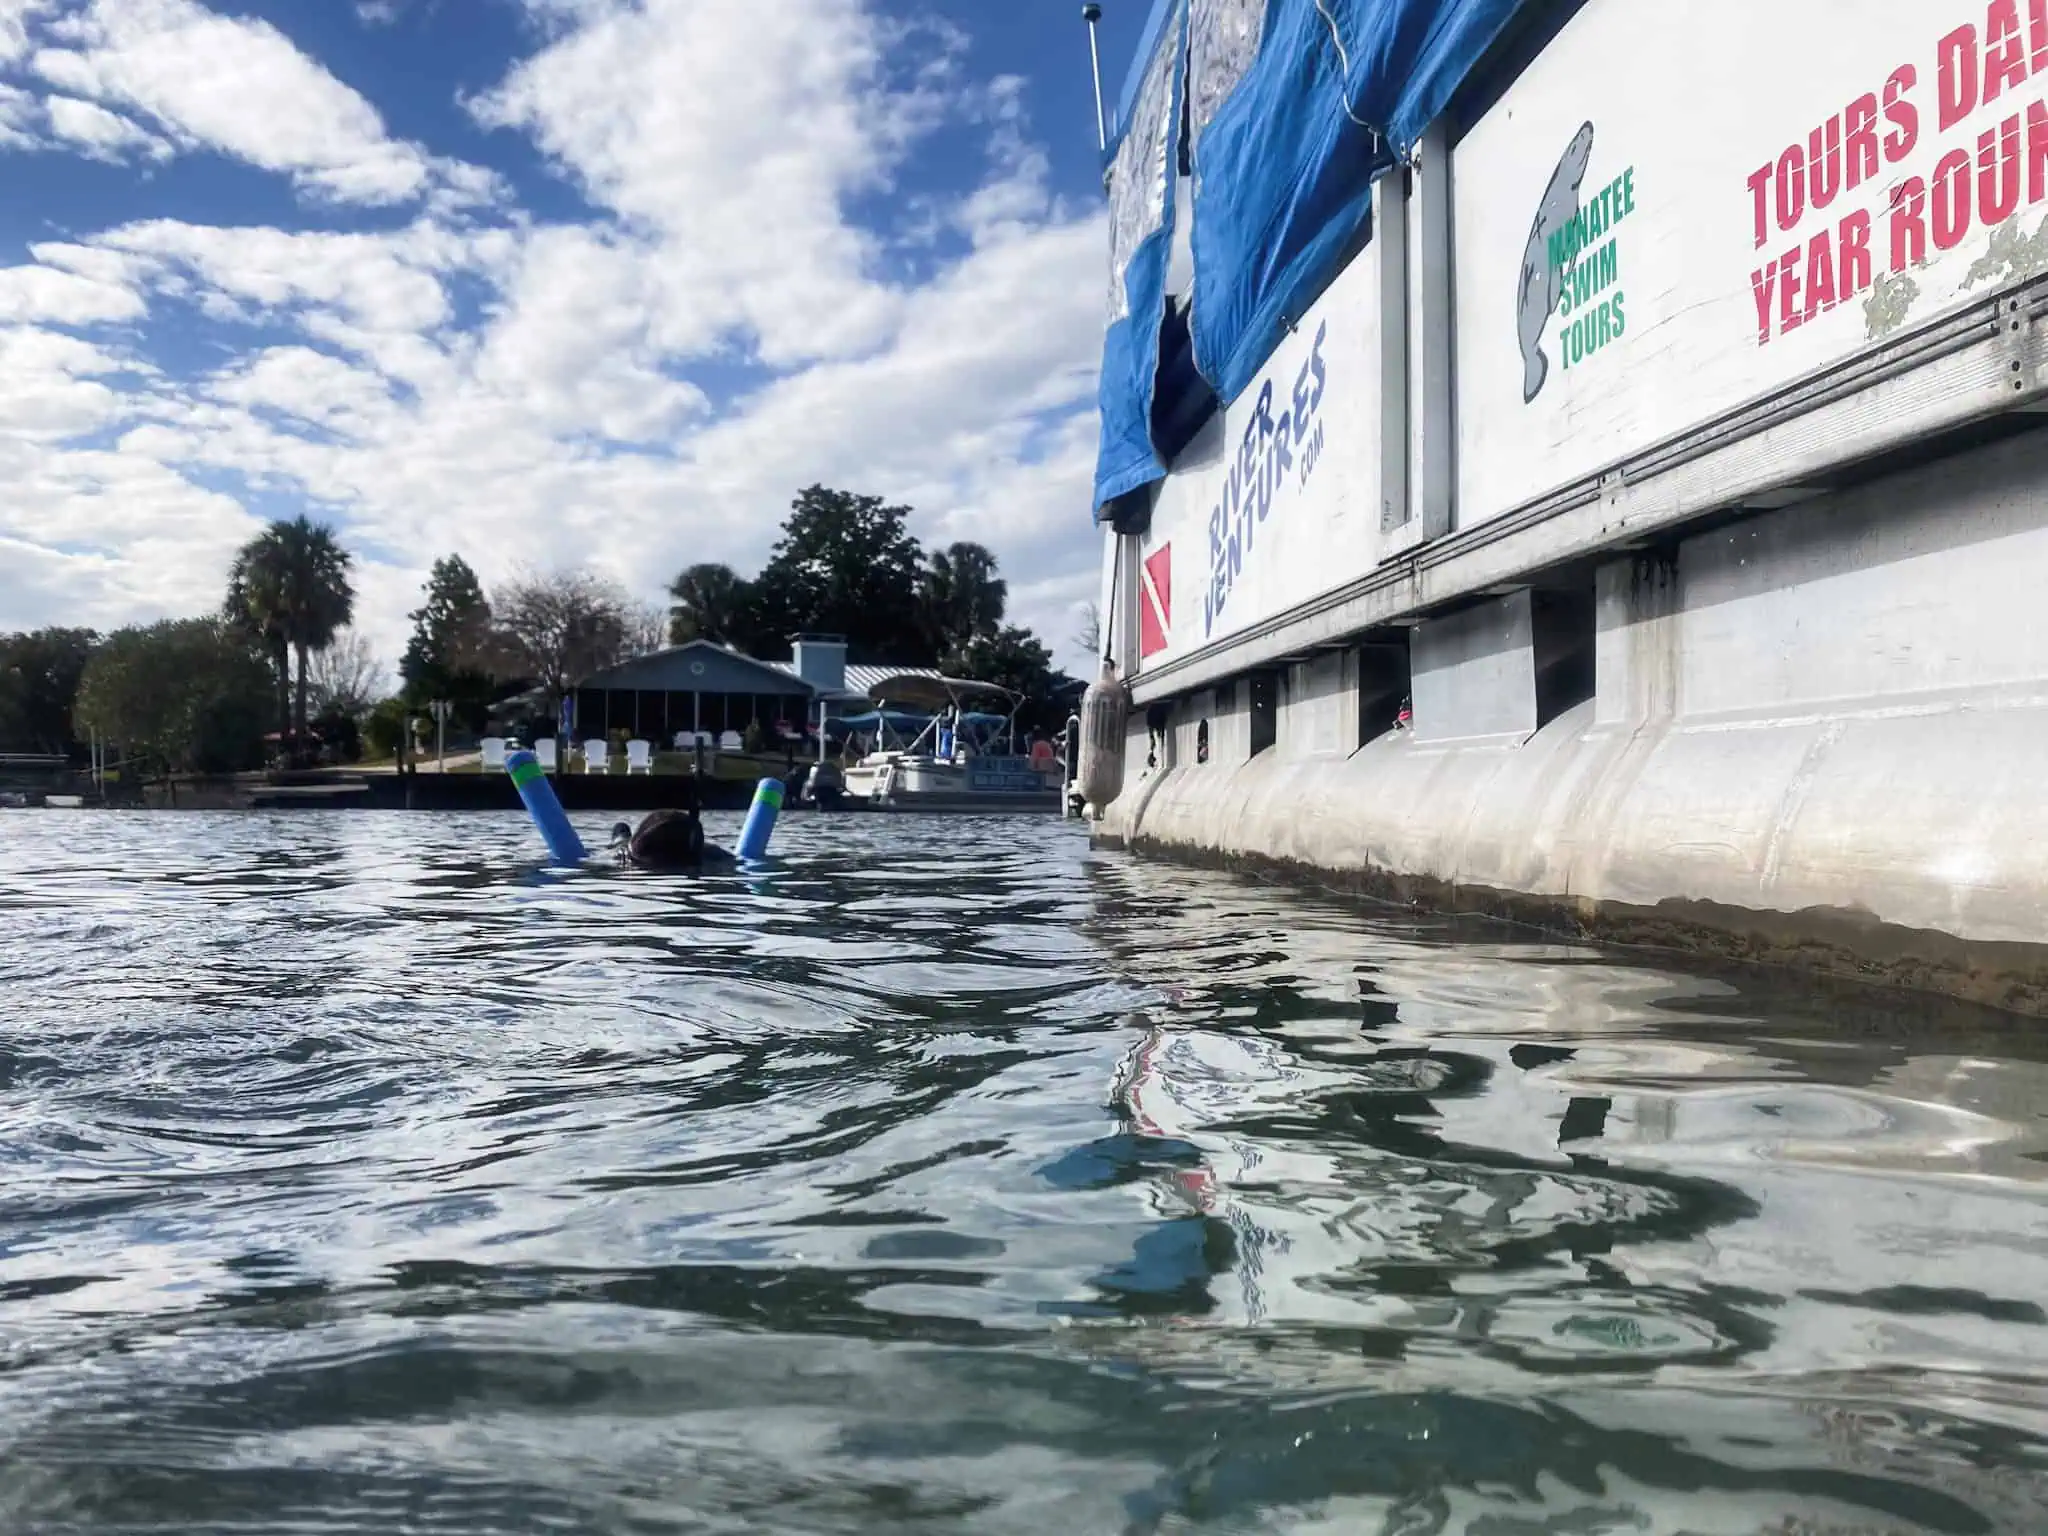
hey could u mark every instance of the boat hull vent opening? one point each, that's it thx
(1565, 632)
(1384, 684)
(1264, 722)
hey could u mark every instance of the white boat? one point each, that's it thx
(956, 759)
(64, 802)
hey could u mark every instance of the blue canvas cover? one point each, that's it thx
(1142, 161)
(895, 719)
(1295, 106)
(1415, 54)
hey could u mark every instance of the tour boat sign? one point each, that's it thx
(1665, 272)
(1273, 464)
(1277, 499)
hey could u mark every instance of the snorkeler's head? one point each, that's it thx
(664, 840)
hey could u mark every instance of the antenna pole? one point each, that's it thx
(1092, 14)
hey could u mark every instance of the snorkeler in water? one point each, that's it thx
(667, 840)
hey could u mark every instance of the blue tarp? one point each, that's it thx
(1294, 107)
(1284, 160)
(1415, 54)
(1283, 187)
(1143, 160)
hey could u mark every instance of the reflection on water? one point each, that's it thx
(360, 1177)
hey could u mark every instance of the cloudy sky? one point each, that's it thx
(539, 282)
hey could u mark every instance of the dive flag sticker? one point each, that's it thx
(1155, 603)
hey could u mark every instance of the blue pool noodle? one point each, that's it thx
(760, 821)
(532, 783)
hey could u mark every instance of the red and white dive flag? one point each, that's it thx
(1155, 603)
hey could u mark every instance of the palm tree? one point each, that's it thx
(289, 590)
(255, 609)
(961, 596)
(709, 602)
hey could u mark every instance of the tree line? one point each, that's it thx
(277, 677)
(848, 565)
(537, 634)
(845, 564)
(277, 674)
(274, 667)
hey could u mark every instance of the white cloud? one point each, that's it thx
(572, 343)
(52, 295)
(101, 134)
(744, 176)
(313, 387)
(238, 86)
(1001, 339)
(50, 385)
(25, 350)
(14, 19)
(534, 393)
(95, 537)
(20, 114)
(116, 268)
(383, 282)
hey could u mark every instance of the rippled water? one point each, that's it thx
(355, 1176)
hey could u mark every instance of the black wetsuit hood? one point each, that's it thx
(671, 840)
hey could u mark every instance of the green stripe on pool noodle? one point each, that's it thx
(524, 773)
(771, 791)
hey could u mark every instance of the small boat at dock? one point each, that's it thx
(933, 752)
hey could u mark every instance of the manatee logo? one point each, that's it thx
(1542, 281)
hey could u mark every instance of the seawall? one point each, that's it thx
(1816, 735)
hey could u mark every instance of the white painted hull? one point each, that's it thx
(902, 781)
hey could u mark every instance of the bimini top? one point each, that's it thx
(928, 690)
(1283, 112)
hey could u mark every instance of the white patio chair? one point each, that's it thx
(493, 751)
(544, 749)
(685, 740)
(732, 741)
(596, 757)
(639, 757)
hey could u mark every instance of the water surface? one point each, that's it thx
(356, 1176)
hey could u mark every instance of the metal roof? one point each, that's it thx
(699, 667)
(862, 679)
(705, 667)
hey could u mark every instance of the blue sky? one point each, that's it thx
(540, 282)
